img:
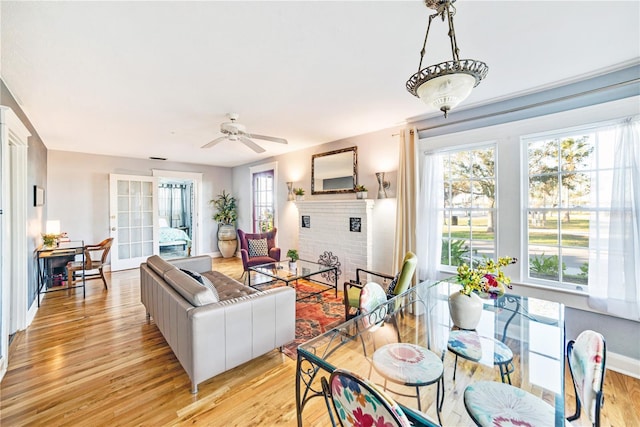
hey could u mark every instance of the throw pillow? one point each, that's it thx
(392, 286)
(203, 280)
(258, 247)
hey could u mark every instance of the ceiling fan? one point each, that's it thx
(234, 131)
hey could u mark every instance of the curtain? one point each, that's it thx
(407, 197)
(174, 204)
(430, 220)
(614, 270)
(187, 195)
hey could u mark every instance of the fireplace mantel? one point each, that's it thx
(342, 227)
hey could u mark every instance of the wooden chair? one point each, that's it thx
(257, 254)
(397, 285)
(587, 360)
(95, 257)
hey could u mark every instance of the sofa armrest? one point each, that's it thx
(275, 253)
(229, 333)
(199, 264)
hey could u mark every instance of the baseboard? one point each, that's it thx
(623, 364)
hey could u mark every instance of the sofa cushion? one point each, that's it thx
(227, 287)
(193, 291)
(159, 265)
(258, 247)
(203, 280)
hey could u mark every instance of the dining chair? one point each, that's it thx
(490, 403)
(357, 402)
(258, 248)
(586, 356)
(95, 257)
(397, 284)
(471, 346)
(404, 364)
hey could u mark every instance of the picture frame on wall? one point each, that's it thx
(38, 196)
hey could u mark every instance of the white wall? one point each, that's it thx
(78, 191)
(377, 152)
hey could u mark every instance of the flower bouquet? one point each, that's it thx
(486, 279)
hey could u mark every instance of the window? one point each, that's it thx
(468, 233)
(263, 203)
(569, 196)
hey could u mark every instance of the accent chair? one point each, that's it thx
(397, 285)
(258, 248)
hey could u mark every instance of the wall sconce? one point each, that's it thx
(290, 196)
(382, 185)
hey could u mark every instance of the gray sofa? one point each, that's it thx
(211, 333)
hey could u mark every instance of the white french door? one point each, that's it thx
(133, 213)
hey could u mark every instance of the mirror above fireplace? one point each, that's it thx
(334, 171)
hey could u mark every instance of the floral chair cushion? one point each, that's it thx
(408, 364)
(359, 402)
(372, 297)
(497, 404)
(586, 359)
(469, 344)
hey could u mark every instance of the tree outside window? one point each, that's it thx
(469, 206)
(566, 198)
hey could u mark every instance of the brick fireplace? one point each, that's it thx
(338, 229)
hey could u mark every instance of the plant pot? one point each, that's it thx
(465, 311)
(227, 247)
(293, 265)
(227, 240)
(226, 232)
(299, 198)
(361, 195)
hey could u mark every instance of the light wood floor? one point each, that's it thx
(96, 361)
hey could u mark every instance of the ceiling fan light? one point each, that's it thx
(446, 92)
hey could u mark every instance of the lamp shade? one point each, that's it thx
(445, 92)
(53, 227)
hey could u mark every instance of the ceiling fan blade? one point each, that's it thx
(249, 143)
(214, 142)
(269, 138)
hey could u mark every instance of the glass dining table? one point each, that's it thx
(529, 331)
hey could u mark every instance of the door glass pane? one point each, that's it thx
(135, 219)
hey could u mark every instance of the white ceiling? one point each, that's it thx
(142, 79)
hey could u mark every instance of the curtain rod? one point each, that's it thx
(529, 106)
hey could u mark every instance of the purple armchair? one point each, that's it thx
(254, 251)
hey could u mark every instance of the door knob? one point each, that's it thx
(113, 229)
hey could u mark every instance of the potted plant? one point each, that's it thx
(49, 240)
(361, 191)
(293, 256)
(485, 280)
(299, 192)
(226, 215)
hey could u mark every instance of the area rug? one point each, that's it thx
(314, 315)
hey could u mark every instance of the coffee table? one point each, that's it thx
(282, 271)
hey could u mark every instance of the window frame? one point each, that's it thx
(253, 170)
(469, 147)
(560, 134)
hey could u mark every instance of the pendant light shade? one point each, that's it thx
(443, 86)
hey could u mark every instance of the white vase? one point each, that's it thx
(361, 195)
(465, 311)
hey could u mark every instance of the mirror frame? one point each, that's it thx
(354, 150)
